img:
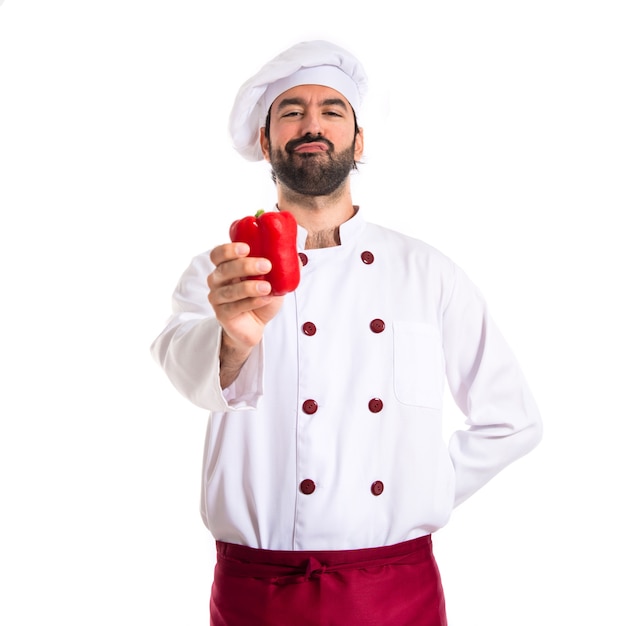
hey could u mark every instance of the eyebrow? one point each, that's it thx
(300, 101)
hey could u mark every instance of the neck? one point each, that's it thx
(320, 216)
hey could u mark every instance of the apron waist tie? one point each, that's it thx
(285, 567)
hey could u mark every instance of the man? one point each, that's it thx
(325, 472)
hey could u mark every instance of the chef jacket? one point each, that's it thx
(331, 436)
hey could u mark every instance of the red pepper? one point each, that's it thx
(272, 236)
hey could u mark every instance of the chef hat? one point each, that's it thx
(306, 63)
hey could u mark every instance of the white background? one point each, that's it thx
(496, 132)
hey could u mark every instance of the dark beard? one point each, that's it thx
(312, 173)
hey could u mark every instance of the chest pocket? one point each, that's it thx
(418, 363)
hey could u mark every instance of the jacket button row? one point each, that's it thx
(367, 257)
(307, 487)
(376, 326)
(310, 406)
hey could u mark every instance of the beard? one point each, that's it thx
(311, 173)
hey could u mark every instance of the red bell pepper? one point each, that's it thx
(272, 236)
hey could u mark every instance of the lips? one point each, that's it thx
(314, 146)
(308, 145)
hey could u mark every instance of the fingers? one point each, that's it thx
(231, 281)
(238, 294)
(238, 270)
(236, 298)
(229, 251)
(232, 264)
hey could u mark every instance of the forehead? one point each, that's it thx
(310, 94)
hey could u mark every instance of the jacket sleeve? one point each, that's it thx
(488, 386)
(188, 348)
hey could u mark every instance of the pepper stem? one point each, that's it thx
(259, 213)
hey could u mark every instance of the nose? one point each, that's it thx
(312, 124)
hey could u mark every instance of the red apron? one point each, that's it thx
(396, 585)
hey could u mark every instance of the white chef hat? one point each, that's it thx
(306, 63)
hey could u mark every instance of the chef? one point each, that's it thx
(325, 469)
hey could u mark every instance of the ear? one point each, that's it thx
(265, 144)
(358, 145)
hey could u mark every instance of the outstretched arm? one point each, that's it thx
(210, 348)
(242, 307)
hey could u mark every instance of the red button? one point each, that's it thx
(307, 486)
(377, 326)
(309, 407)
(377, 487)
(367, 257)
(309, 328)
(375, 405)
(303, 257)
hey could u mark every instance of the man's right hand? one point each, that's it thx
(242, 307)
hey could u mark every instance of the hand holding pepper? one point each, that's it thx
(242, 306)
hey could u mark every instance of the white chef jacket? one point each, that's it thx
(331, 436)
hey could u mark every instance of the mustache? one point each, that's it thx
(290, 146)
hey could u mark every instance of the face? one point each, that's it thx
(312, 144)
